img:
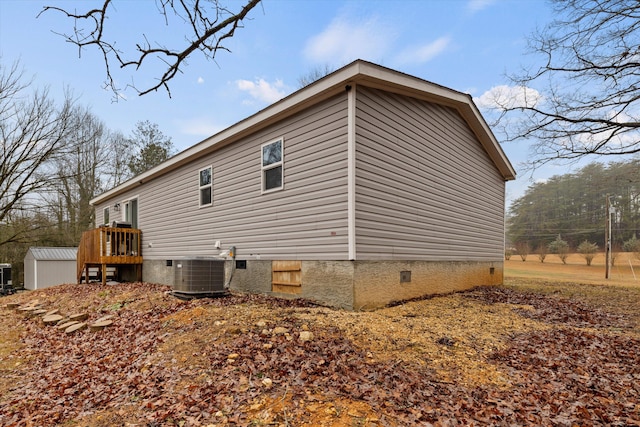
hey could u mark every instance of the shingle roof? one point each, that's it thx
(54, 254)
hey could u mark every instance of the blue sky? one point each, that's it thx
(467, 45)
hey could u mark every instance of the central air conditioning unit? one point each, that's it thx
(201, 277)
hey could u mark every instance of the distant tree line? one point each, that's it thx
(573, 206)
(54, 158)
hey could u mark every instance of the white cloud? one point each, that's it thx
(263, 91)
(503, 96)
(201, 127)
(200, 80)
(425, 52)
(477, 5)
(345, 40)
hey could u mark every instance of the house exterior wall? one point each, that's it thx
(307, 220)
(428, 200)
(425, 187)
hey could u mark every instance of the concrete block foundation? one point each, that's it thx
(378, 283)
(355, 285)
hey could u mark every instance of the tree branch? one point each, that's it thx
(208, 35)
(588, 96)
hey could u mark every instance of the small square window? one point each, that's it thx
(272, 165)
(206, 186)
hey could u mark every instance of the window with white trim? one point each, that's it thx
(206, 186)
(105, 216)
(272, 165)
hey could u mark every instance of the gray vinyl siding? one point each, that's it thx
(425, 187)
(307, 220)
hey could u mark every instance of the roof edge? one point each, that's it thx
(359, 71)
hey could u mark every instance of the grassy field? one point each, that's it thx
(625, 272)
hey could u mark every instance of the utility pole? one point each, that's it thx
(607, 238)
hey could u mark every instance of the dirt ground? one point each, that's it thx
(555, 346)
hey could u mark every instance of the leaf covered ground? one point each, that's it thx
(528, 353)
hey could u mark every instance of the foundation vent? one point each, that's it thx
(405, 276)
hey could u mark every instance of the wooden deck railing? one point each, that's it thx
(107, 246)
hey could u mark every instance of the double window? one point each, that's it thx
(272, 165)
(206, 186)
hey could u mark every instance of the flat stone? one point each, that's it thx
(74, 328)
(66, 324)
(80, 317)
(103, 318)
(98, 326)
(51, 319)
(38, 312)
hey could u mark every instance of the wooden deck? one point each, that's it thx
(109, 247)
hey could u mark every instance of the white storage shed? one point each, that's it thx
(44, 267)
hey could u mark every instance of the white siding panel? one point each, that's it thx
(425, 187)
(306, 220)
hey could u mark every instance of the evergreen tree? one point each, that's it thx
(152, 147)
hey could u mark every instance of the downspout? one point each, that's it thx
(351, 170)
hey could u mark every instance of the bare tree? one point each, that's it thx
(77, 176)
(209, 24)
(315, 74)
(120, 149)
(32, 131)
(585, 97)
(523, 249)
